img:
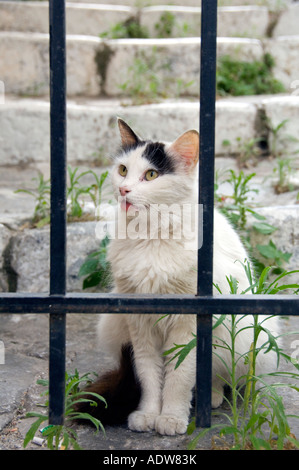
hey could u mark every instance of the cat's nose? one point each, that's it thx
(124, 190)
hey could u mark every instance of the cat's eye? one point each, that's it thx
(151, 175)
(122, 170)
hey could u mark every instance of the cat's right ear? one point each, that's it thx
(186, 148)
(127, 135)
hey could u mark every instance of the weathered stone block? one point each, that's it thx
(285, 51)
(30, 256)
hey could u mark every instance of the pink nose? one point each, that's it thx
(124, 191)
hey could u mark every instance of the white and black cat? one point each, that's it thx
(144, 384)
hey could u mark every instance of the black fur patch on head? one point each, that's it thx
(157, 156)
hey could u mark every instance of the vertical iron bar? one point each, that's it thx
(206, 200)
(58, 206)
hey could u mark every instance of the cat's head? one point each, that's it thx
(147, 172)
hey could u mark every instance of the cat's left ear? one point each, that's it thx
(186, 147)
(127, 135)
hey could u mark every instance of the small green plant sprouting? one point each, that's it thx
(143, 84)
(149, 80)
(248, 151)
(64, 436)
(164, 27)
(75, 190)
(95, 269)
(131, 28)
(277, 139)
(238, 209)
(283, 170)
(257, 418)
(238, 78)
(41, 195)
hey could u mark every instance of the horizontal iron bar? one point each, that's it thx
(161, 304)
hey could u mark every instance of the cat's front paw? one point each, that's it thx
(142, 422)
(170, 425)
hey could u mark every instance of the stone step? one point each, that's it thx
(93, 136)
(95, 66)
(95, 19)
(167, 67)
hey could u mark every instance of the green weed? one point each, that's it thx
(95, 268)
(75, 192)
(256, 418)
(41, 195)
(238, 78)
(64, 436)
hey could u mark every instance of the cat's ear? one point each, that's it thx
(186, 148)
(127, 135)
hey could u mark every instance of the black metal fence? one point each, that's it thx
(58, 303)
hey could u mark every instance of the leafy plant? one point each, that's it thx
(41, 195)
(64, 436)
(274, 256)
(237, 78)
(257, 418)
(95, 269)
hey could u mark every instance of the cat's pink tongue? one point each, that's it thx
(125, 205)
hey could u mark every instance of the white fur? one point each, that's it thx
(164, 266)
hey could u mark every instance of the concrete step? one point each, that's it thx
(170, 67)
(95, 19)
(93, 137)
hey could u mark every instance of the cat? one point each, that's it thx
(156, 396)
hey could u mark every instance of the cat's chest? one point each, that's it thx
(150, 266)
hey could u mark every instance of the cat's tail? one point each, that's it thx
(119, 388)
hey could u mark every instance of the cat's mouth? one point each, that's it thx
(125, 205)
(130, 207)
